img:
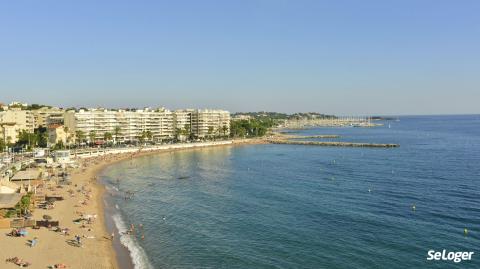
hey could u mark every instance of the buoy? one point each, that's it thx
(369, 190)
(465, 231)
(414, 207)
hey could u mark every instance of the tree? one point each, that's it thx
(41, 137)
(224, 129)
(67, 134)
(117, 131)
(59, 145)
(149, 135)
(2, 145)
(250, 128)
(92, 136)
(178, 133)
(142, 137)
(26, 139)
(187, 130)
(210, 131)
(107, 136)
(24, 204)
(79, 136)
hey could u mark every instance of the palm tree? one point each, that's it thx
(92, 136)
(149, 135)
(79, 136)
(224, 129)
(188, 130)
(142, 137)
(117, 132)
(210, 131)
(178, 133)
(107, 136)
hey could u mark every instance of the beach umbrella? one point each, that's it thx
(51, 200)
(47, 217)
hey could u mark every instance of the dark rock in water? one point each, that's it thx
(183, 177)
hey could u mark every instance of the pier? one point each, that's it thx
(333, 144)
(310, 136)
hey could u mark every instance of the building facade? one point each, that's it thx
(45, 116)
(122, 125)
(209, 123)
(13, 121)
(160, 124)
(58, 134)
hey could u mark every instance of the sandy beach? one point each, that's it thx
(82, 200)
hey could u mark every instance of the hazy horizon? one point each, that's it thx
(332, 57)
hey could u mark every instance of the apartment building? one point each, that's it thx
(209, 122)
(58, 134)
(202, 123)
(13, 121)
(47, 116)
(161, 123)
(123, 125)
(8, 132)
(182, 119)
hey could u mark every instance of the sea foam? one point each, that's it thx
(138, 255)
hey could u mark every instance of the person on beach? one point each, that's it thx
(78, 239)
(33, 242)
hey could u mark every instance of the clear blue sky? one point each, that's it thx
(342, 57)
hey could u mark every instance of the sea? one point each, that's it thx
(297, 206)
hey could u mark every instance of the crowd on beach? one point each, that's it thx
(76, 230)
(79, 227)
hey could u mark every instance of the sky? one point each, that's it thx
(337, 57)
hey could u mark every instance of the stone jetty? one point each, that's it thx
(332, 144)
(311, 136)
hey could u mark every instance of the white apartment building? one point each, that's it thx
(182, 119)
(161, 123)
(208, 122)
(203, 123)
(124, 125)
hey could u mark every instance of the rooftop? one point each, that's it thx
(26, 175)
(9, 200)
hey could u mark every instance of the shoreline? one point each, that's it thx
(86, 196)
(119, 253)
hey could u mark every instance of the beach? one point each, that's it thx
(83, 201)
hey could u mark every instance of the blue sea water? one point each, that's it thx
(288, 206)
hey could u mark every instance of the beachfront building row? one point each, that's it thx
(120, 125)
(147, 124)
(15, 119)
